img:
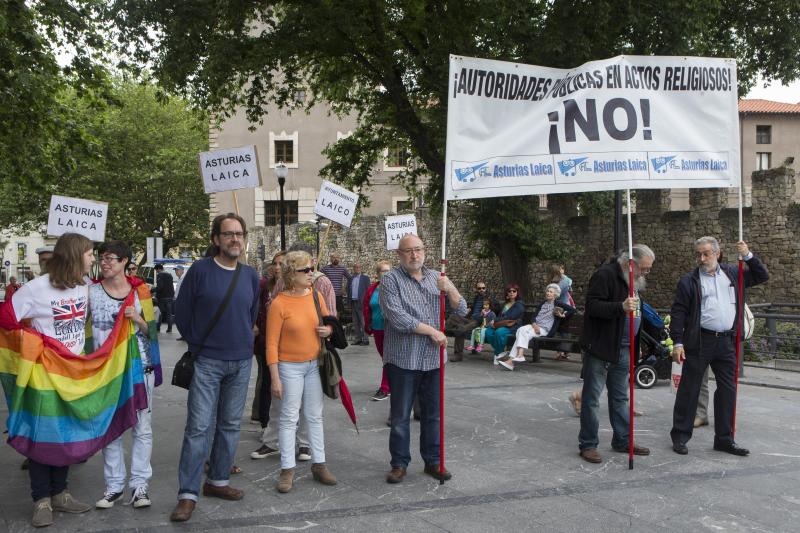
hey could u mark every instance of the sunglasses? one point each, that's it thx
(305, 270)
(481, 288)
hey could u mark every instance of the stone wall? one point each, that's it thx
(771, 228)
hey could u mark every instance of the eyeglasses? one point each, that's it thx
(110, 259)
(481, 288)
(305, 270)
(133, 269)
(409, 251)
(232, 234)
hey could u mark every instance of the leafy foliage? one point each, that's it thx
(387, 62)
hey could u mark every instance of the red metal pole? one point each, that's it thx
(630, 374)
(441, 388)
(738, 344)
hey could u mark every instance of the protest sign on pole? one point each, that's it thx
(336, 203)
(75, 215)
(230, 169)
(396, 227)
(629, 122)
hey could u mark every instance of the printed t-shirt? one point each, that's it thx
(104, 309)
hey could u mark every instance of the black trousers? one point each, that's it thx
(165, 306)
(264, 390)
(47, 480)
(720, 353)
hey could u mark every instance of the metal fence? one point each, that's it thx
(776, 337)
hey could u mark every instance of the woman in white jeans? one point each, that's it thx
(293, 342)
(545, 322)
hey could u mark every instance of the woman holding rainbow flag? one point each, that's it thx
(64, 406)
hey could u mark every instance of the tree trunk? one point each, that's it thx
(514, 267)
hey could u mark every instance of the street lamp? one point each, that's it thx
(281, 171)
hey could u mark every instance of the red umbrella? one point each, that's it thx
(347, 402)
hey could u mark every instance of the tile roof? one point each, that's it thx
(767, 106)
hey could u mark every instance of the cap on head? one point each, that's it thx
(179, 267)
(45, 249)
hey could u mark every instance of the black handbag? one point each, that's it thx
(184, 369)
(328, 361)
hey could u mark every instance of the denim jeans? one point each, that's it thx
(406, 385)
(497, 338)
(141, 450)
(216, 402)
(301, 385)
(596, 373)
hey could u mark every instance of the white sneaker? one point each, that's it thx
(498, 357)
(304, 454)
(519, 358)
(140, 498)
(108, 499)
(507, 365)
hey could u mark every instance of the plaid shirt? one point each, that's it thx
(405, 303)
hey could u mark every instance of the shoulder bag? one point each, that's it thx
(184, 369)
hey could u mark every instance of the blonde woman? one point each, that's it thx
(293, 342)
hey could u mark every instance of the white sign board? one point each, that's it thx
(336, 203)
(396, 227)
(75, 215)
(229, 169)
(629, 122)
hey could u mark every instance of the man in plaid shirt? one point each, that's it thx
(411, 305)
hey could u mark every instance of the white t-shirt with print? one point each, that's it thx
(57, 313)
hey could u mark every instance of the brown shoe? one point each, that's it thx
(436, 472)
(396, 475)
(226, 493)
(286, 480)
(591, 455)
(637, 450)
(183, 511)
(321, 473)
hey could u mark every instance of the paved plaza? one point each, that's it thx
(511, 444)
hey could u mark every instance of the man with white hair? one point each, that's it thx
(606, 342)
(411, 306)
(704, 315)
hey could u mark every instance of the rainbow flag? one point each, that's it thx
(64, 408)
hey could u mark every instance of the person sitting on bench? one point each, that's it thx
(547, 317)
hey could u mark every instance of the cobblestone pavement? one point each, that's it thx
(511, 444)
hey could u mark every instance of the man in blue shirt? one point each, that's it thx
(704, 316)
(222, 365)
(410, 298)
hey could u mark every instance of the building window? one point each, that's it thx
(300, 97)
(284, 151)
(763, 160)
(396, 157)
(272, 212)
(404, 205)
(763, 134)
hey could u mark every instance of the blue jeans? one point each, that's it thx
(405, 386)
(216, 402)
(301, 385)
(497, 338)
(596, 373)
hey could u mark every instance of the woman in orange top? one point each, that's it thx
(293, 342)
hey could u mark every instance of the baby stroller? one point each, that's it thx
(656, 348)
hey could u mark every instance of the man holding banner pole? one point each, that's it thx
(606, 341)
(705, 315)
(410, 300)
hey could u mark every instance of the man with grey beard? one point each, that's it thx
(606, 349)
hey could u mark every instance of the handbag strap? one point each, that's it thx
(319, 315)
(220, 309)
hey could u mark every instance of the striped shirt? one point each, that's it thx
(406, 303)
(337, 275)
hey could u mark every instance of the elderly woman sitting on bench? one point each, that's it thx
(547, 318)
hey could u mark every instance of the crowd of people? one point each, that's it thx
(227, 313)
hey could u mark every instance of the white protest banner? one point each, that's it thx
(75, 215)
(336, 203)
(629, 122)
(396, 227)
(230, 169)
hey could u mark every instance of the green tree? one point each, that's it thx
(140, 157)
(387, 61)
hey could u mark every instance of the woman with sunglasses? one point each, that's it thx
(293, 343)
(507, 322)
